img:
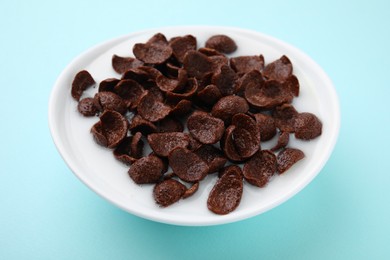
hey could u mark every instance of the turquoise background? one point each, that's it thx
(47, 213)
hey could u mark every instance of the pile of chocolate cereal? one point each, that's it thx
(228, 105)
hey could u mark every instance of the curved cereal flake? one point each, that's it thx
(187, 91)
(130, 149)
(227, 191)
(284, 116)
(307, 126)
(87, 107)
(148, 169)
(245, 64)
(150, 72)
(221, 43)
(172, 69)
(209, 95)
(181, 45)
(187, 165)
(81, 82)
(205, 128)
(166, 84)
(278, 70)
(111, 129)
(228, 106)
(269, 94)
(260, 168)
(190, 191)
(267, 126)
(283, 140)
(130, 91)
(137, 74)
(197, 64)
(228, 145)
(292, 83)
(172, 84)
(224, 80)
(155, 51)
(218, 61)
(150, 108)
(98, 134)
(168, 192)
(182, 108)
(108, 84)
(169, 124)
(252, 79)
(246, 135)
(287, 158)
(214, 157)
(193, 144)
(109, 101)
(210, 52)
(163, 143)
(138, 124)
(123, 64)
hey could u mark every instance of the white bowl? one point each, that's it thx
(98, 169)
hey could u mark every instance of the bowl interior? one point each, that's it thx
(98, 169)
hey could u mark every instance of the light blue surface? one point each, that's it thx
(47, 213)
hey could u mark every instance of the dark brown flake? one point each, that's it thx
(287, 158)
(81, 82)
(227, 191)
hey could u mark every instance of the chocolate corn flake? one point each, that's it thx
(287, 158)
(186, 92)
(205, 128)
(190, 191)
(170, 124)
(123, 64)
(81, 82)
(150, 108)
(228, 145)
(148, 169)
(307, 126)
(130, 149)
(183, 107)
(163, 143)
(181, 45)
(221, 43)
(227, 191)
(109, 101)
(260, 168)
(245, 64)
(87, 107)
(130, 91)
(224, 80)
(168, 192)
(155, 51)
(269, 94)
(108, 84)
(187, 165)
(209, 95)
(266, 124)
(139, 124)
(197, 64)
(228, 106)
(213, 156)
(279, 70)
(111, 129)
(246, 135)
(283, 140)
(284, 116)
(250, 80)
